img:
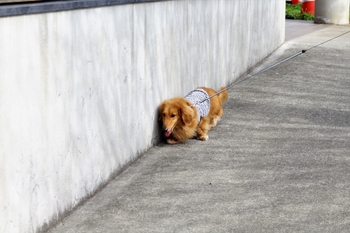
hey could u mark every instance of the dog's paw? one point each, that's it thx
(171, 141)
(203, 137)
(214, 121)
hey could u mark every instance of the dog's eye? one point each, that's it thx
(173, 115)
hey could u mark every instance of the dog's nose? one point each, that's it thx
(165, 129)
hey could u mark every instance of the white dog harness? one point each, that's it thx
(200, 99)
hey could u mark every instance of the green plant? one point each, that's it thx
(293, 11)
(306, 16)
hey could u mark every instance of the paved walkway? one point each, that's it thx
(297, 28)
(279, 161)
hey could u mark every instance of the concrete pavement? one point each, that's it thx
(296, 28)
(278, 161)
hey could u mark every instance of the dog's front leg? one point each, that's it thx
(202, 129)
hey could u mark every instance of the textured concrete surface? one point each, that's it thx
(298, 28)
(277, 162)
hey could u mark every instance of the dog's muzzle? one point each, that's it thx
(167, 132)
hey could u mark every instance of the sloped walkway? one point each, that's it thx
(279, 160)
(296, 28)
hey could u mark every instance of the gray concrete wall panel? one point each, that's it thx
(79, 90)
(332, 12)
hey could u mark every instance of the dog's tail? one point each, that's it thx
(223, 95)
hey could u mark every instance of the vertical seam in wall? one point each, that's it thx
(145, 46)
(133, 43)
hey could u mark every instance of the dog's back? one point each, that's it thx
(222, 96)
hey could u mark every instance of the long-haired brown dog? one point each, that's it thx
(193, 115)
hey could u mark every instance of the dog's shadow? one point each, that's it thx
(158, 137)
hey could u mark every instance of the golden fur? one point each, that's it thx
(180, 120)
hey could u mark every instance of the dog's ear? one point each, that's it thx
(186, 114)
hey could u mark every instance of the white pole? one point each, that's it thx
(332, 11)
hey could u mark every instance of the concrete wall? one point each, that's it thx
(332, 12)
(79, 90)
